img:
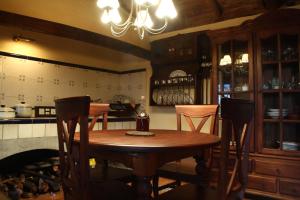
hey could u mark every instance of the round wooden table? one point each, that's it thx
(144, 154)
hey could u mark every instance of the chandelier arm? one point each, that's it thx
(128, 19)
(120, 32)
(158, 30)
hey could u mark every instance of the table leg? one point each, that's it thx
(144, 187)
(202, 170)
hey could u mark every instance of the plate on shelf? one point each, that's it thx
(177, 73)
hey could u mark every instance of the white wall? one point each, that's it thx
(39, 83)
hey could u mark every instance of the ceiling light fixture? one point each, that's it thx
(139, 16)
(18, 38)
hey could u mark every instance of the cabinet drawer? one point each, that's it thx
(262, 183)
(285, 169)
(289, 187)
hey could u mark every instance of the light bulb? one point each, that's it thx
(166, 8)
(141, 2)
(143, 19)
(115, 16)
(108, 4)
(105, 18)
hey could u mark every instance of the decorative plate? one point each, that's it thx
(177, 73)
(140, 133)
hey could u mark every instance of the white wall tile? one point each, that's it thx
(10, 131)
(1, 132)
(38, 130)
(125, 125)
(111, 125)
(51, 130)
(118, 125)
(25, 130)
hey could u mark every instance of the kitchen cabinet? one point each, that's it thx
(180, 64)
(271, 79)
(175, 49)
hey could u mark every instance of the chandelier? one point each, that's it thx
(139, 16)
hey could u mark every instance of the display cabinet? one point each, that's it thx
(279, 92)
(270, 78)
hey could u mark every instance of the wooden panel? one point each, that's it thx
(267, 184)
(289, 187)
(61, 30)
(283, 169)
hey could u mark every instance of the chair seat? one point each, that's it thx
(190, 192)
(111, 190)
(183, 170)
(100, 173)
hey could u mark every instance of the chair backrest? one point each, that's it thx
(237, 115)
(97, 110)
(73, 158)
(203, 112)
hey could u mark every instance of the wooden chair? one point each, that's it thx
(237, 115)
(96, 111)
(102, 169)
(74, 157)
(184, 170)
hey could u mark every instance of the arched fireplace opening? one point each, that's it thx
(30, 173)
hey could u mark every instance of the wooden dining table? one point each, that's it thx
(144, 154)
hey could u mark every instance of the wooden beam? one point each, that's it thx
(61, 30)
(219, 7)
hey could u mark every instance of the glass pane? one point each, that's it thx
(269, 49)
(270, 76)
(291, 102)
(289, 47)
(271, 135)
(224, 78)
(290, 75)
(291, 136)
(271, 105)
(240, 49)
(241, 74)
(224, 49)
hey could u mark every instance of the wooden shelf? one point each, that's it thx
(289, 61)
(280, 90)
(272, 62)
(236, 92)
(285, 120)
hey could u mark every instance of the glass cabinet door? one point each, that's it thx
(233, 74)
(280, 93)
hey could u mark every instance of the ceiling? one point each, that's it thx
(84, 14)
(192, 13)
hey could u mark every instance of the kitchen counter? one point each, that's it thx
(43, 120)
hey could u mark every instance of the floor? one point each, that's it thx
(59, 195)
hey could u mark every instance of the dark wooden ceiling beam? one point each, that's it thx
(218, 7)
(61, 30)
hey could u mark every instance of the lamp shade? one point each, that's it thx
(166, 8)
(108, 4)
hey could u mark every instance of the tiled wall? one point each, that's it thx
(39, 83)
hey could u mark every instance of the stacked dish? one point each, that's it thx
(291, 146)
(275, 113)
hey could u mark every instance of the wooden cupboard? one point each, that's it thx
(179, 66)
(259, 60)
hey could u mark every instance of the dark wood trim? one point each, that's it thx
(133, 71)
(61, 30)
(2, 53)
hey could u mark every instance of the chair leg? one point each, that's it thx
(178, 182)
(155, 186)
